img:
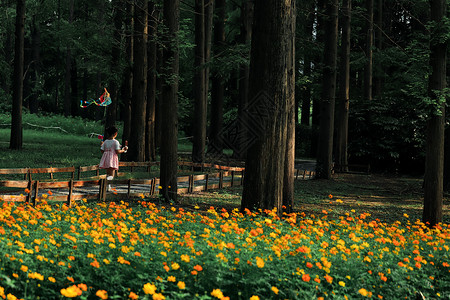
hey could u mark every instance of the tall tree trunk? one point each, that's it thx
(127, 80)
(378, 74)
(209, 14)
(67, 77)
(151, 87)
(215, 145)
(36, 66)
(244, 74)
(158, 105)
(305, 94)
(113, 89)
(318, 68)
(199, 126)
(368, 70)
(272, 92)
(292, 112)
(139, 102)
(433, 179)
(344, 85)
(16, 115)
(169, 144)
(325, 146)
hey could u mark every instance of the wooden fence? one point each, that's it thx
(224, 176)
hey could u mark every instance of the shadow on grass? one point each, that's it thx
(386, 198)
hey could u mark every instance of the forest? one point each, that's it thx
(342, 82)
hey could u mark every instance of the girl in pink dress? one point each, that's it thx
(110, 149)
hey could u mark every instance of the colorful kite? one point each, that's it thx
(104, 100)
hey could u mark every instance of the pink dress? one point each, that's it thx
(110, 159)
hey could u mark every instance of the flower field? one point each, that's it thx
(138, 250)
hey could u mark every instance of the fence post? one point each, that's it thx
(36, 191)
(70, 192)
(232, 178)
(30, 189)
(206, 182)
(220, 179)
(100, 192)
(129, 188)
(191, 184)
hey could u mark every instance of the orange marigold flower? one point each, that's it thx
(102, 294)
(217, 293)
(158, 296)
(149, 288)
(181, 285)
(330, 196)
(198, 268)
(259, 262)
(309, 265)
(306, 277)
(133, 296)
(71, 292)
(363, 292)
(275, 290)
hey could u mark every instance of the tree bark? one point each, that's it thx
(433, 179)
(151, 87)
(139, 101)
(368, 70)
(16, 115)
(215, 145)
(344, 85)
(292, 112)
(127, 80)
(244, 74)
(378, 74)
(307, 59)
(169, 144)
(113, 87)
(36, 66)
(199, 126)
(325, 146)
(68, 77)
(271, 90)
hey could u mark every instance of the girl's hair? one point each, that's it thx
(110, 131)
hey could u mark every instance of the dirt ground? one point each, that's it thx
(385, 197)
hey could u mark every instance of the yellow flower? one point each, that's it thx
(11, 297)
(259, 262)
(181, 285)
(171, 279)
(24, 268)
(51, 279)
(149, 288)
(217, 293)
(185, 258)
(133, 296)
(102, 294)
(175, 266)
(254, 298)
(158, 296)
(341, 283)
(363, 292)
(275, 290)
(71, 292)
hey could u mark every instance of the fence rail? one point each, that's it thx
(70, 190)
